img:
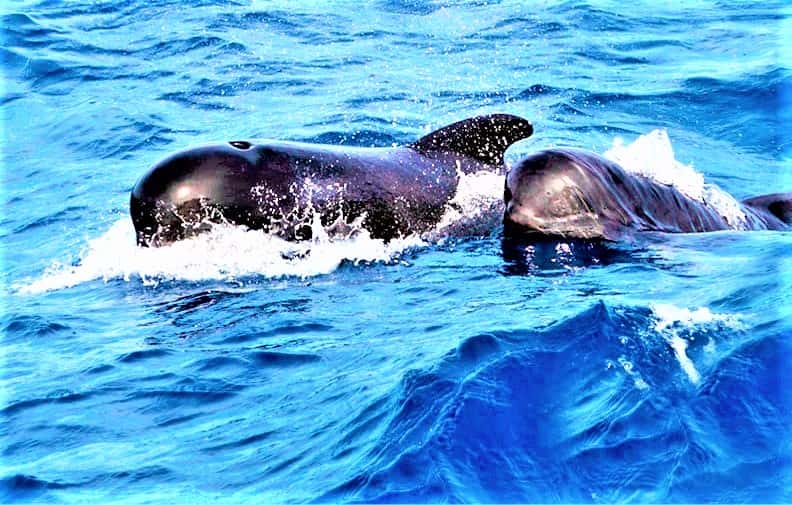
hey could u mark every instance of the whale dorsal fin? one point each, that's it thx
(778, 204)
(483, 138)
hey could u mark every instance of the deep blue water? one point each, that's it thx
(465, 370)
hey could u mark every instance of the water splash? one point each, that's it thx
(225, 253)
(674, 323)
(651, 155)
(475, 210)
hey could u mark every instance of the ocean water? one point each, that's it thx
(452, 367)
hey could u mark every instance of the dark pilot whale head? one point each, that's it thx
(573, 194)
(562, 193)
(186, 192)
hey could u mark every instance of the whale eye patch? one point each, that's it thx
(240, 144)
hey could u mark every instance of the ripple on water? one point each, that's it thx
(285, 329)
(270, 359)
(60, 397)
(25, 327)
(143, 355)
(21, 487)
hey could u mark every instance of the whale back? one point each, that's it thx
(482, 138)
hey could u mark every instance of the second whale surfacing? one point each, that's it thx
(279, 186)
(575, 194)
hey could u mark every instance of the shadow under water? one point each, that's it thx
(543, 256)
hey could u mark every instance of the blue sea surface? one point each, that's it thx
(462, 369)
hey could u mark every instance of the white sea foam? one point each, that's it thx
(226, 252)
(679, 345)
(475, 210)
(674, 322)
(652, 156)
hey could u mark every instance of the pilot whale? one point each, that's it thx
(569, 193)
(277, 186)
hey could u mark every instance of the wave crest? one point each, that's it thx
(547, 404)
